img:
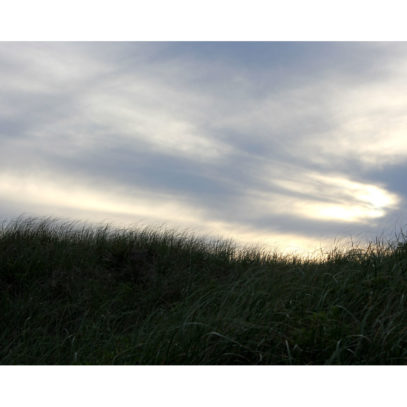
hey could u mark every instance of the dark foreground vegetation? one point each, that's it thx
(71, 295)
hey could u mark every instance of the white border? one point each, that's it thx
(198, 20)
(203, 386)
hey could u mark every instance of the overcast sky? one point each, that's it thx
(287, 145)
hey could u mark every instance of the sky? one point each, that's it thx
(287, 145)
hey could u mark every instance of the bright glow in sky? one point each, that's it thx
(286, 145)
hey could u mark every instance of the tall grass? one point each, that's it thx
(71, 294)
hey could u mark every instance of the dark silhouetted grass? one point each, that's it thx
(72, 295)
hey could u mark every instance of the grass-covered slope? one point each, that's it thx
(99, 296)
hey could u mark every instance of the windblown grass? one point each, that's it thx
(83, 295)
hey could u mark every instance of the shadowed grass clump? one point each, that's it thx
(87, 295)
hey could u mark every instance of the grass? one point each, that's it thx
(83, 295)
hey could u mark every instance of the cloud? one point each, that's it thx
(277, 142)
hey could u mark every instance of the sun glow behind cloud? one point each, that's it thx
(336, 198)
(360, 202)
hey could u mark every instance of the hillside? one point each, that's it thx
(72, 295)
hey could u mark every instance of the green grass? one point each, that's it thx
(72, 295)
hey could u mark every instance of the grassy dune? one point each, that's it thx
(71, 295)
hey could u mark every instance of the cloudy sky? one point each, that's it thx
(287, 145)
